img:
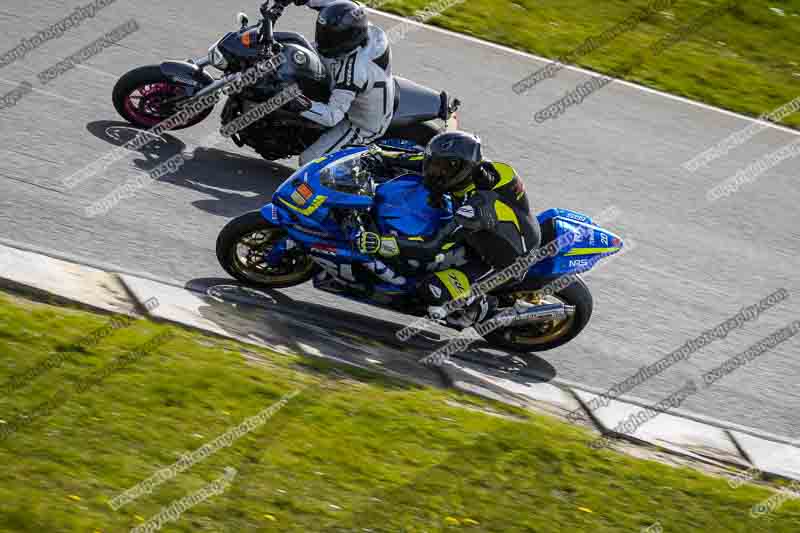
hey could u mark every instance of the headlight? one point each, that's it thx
(216, 59)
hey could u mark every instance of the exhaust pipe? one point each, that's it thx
(534, 314)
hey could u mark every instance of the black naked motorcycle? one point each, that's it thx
(148, 95)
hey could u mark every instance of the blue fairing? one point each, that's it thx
(401, 205)
(588, 243)
(314, 212)
(307, 203)
(563, 213)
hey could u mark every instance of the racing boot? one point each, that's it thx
(476, 309)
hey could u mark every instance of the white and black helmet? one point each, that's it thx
(342, 27)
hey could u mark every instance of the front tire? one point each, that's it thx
(542, 337)
(242, 245)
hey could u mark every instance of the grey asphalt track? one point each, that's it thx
(694, 264)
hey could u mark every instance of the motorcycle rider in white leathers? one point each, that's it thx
(359, 59)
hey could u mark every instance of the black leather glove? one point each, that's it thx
(299, 104)
(300, 2)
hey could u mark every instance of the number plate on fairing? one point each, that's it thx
(301, 195)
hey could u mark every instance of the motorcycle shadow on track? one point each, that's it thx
(347, 334)
(237, 183)
(286, 325)
(529, 367)
(118, 133)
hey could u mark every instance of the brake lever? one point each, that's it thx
(275, 13)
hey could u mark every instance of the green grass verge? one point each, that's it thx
(352, 451)
(745, 61)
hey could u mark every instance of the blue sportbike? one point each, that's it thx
(307, 231)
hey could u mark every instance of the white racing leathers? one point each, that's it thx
(361, 105)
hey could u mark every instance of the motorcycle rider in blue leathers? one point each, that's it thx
(492, 217)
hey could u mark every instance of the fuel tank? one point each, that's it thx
(402, 206)
(302, 65)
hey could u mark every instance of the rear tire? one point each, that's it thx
(522, 339)
(247, 269)
(147, 76)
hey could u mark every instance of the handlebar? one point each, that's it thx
(269, 16)
(265, 36)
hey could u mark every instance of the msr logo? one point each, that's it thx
(579, 263)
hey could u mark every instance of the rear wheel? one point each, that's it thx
(144, 97)
(544, 336)
(242, 249)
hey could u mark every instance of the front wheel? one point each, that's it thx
(543, 336)
(244, 247)
(144, 97)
